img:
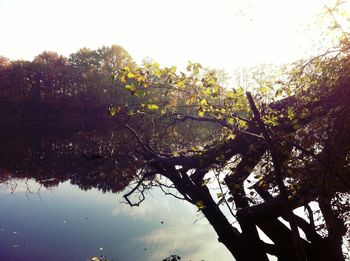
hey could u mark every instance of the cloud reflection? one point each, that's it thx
(179, 230)
(199, 244)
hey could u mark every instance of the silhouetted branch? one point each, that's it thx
(279, 178)
(126, 196)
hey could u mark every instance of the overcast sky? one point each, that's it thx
(216, 33)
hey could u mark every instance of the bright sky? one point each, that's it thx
(216, 33)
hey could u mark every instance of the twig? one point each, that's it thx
(139, 183)
(223, 195)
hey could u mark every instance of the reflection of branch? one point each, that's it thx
(162, 187)
(12, 186)
(28, 191)
(171, 194)
(126, 196)
(38, 192)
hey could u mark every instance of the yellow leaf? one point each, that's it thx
(201, 113)
(264, 89)
(231, 136)
(215, 89)
(203, 102)
(230, 94)
(113, 110)
(230, 121)
(130, 75)
(123, 79)
(291, 114)
(152, 107)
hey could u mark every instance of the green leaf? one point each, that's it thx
(157, 72)
(130, 87)
(240, 91)
(156, 65)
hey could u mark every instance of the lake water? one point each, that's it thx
(79, 213)
(66, 223)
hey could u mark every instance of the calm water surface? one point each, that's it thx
(66, 223)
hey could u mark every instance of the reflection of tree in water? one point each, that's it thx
(100, 159)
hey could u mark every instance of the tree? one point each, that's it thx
(97, 69)
(269, 153)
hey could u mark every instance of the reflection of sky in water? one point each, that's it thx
(69, 224)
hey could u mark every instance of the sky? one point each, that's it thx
(216, 33)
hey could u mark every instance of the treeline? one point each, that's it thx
(62, 90)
